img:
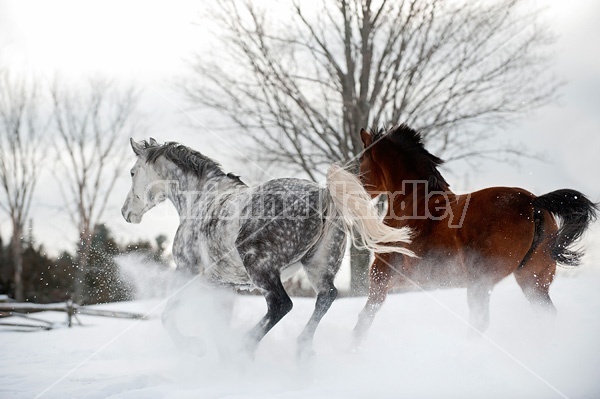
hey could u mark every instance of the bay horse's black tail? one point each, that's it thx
(576, 212)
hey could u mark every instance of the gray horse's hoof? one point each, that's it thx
(305, 353)
(193, 345)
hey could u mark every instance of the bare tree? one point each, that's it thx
(93, 124)
(304, 88)
(21, 157)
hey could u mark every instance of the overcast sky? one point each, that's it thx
(147, 42)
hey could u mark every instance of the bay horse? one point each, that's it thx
(470, 240)
(232, 235)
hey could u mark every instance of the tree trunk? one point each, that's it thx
(17, 256)
(85, 243)
(360, 260)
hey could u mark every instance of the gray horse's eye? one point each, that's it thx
(132, 173)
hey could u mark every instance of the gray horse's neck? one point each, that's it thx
(192, 195)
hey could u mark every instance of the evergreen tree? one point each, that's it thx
(39, 279)
(103, 282)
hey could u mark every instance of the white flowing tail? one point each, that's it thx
(356, 208)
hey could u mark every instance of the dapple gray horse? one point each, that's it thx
(245, 237)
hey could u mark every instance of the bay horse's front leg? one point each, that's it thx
(380, 276)
(478, 297)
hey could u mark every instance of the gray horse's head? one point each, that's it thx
(148, 188)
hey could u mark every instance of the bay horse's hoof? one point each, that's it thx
(474, 335)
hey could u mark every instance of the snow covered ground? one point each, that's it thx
(417, 348)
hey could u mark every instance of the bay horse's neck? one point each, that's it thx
(413, 195)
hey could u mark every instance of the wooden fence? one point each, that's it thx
(72, 310)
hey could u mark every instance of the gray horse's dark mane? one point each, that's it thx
(188, 160)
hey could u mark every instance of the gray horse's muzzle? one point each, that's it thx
(126, 215)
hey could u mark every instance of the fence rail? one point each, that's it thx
(72, 310)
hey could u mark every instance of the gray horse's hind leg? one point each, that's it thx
(321, 265)
(278, 305)
(322, 305)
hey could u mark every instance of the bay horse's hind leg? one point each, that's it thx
(535, 278)
(321, 265)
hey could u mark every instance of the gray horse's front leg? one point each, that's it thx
(208, 310)
(184, 343)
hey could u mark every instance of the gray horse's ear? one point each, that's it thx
(365, 137)
(137, 147)
(153, 142)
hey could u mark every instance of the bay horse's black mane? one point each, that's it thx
(188, 160)
(410, 143)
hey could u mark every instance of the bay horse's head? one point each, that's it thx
(395, 155)
(147, 187)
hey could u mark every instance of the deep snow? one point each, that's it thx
(417, 348)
